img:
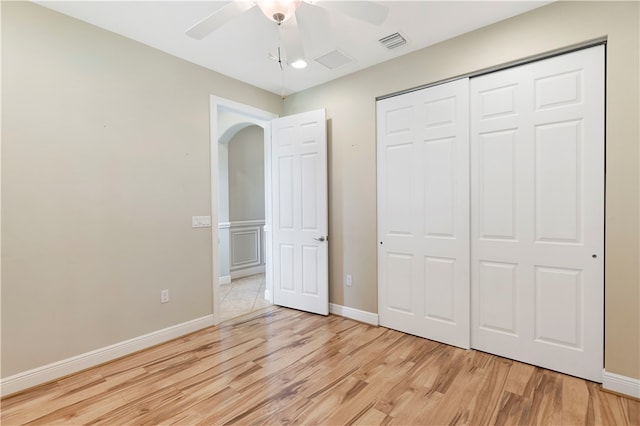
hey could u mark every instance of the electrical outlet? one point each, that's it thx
(164, 296)
(348, 280)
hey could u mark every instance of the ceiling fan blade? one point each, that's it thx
(218, 18)
(291, 40)
(367, 11)
(315, 27)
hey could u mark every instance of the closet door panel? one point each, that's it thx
(537, 185)
(423, 211)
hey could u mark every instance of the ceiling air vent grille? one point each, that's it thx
(333, 60)
(392, 41)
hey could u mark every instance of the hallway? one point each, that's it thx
(241, 296)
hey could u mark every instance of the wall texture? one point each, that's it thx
(350, 103)
(105, 158)
(246, 174)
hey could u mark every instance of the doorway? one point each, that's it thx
(296, 215)
(241, 243)
(241, 221)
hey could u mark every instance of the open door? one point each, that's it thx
(300, 214)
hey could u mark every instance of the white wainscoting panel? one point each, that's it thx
(246, 248)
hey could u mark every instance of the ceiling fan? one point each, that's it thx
(283, 13)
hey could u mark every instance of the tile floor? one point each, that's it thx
(241, 296)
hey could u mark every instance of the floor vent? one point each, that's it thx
(392, 41)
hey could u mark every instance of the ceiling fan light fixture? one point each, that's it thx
(278, 10)
(299, 64)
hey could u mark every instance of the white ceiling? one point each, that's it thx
(240, 48)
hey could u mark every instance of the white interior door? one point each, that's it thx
(300, 215)
(537, 156)
(423, 213)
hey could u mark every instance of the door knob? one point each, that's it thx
(322, 238)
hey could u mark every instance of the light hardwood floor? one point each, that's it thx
(283, 366)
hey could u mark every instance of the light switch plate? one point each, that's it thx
(201, 221)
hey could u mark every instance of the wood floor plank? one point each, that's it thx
(281, 366)
(546, 399)
(373, 417)
(325, 404)
(418, 410)
(493, 376)
(466, 388)
(575, 400)
(511, 410)
(519, 376)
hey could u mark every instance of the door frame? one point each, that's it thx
(253, 116)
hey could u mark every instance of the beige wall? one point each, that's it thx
(350, 103)
(246, 174)
(105, 158)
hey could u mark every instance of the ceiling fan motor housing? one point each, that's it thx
(278, 10)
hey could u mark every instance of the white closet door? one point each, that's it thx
(423, 213)
(537, 173)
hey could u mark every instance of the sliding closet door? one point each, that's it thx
(537, 173)
(423, 213)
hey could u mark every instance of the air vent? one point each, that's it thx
(333, 60)
(392, 41)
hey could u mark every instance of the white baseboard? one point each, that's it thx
(239, 273)
(225, 280)
(56, 370)
(355, 314)
(267, 295)
(621, 384)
